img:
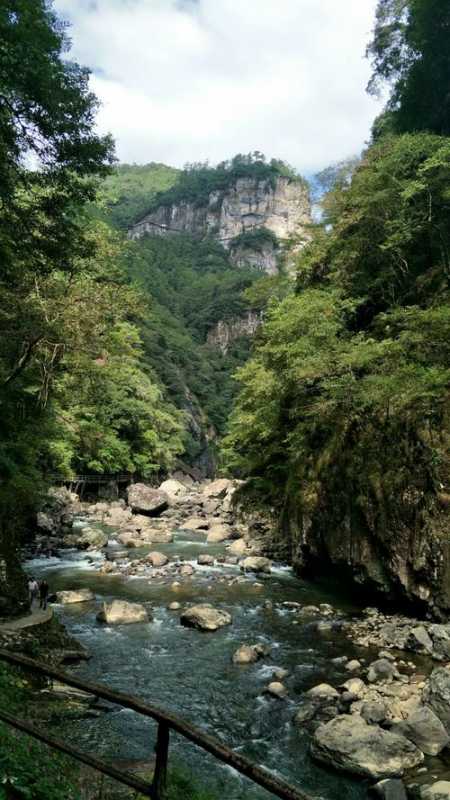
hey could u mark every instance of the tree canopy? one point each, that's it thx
(410, 52)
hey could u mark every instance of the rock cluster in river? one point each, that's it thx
(397, 632)
(149, 518)
(381, 723)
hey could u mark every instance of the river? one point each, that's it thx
(192, 673)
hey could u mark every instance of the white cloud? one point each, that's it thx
(189, 80)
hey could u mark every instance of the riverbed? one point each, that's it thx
(192, 673)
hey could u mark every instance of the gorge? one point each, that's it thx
(225, 434)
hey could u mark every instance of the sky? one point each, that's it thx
(194, 80)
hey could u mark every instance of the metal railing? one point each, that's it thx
(167, 722)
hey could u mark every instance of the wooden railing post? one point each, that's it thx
(159, 784)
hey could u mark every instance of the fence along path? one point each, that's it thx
(167, 721)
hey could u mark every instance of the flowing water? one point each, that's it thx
(192, 673)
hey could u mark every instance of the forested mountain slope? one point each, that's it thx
(342, 422)
(189, 281)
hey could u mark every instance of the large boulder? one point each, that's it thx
(389, 789)
(419, 640)
(218, 533)
(146, 499)
(248, 654)
(139, 523)
(218, 488)
(425, 729)
(323, 691)
(238, 548)
(195, 524)
(436, 694)
(117, 517)
(92, 539)
(120, 612)
(129, 539)
(205, 617)
(350, 744)
(440, 635)
(157, 559)
(174, 489)
(75, 596)
(256, 564)
(437, 791)
(205, 560)
(157, 537)
(381, 670)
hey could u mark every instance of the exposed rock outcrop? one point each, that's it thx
(227, 331)
(281, 206)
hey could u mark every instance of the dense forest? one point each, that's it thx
(103, 359)
(342, 420)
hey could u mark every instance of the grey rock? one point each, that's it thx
(256, 564)
(419, 641)
(440, 635)
(205, 560)
(373, 712)
(205, 617)
(381, 670)
(323, 691)
(348, 743)
(146, 499)
(120, 612)
(306, 711)
(247, 654)
(390, 789)
(425, 729)
(75, 596)
(436, 694)
(437, 791)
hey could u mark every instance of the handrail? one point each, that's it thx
(167, 721)
(105, 478)
(95, 763)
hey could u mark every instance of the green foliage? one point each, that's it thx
(410, 51)
(190, 285)
(390, 236)
(29, 770)
(125, 194)
(196, 182)
(358, 358)
(256, 239)
(111, 414)
(73, 391)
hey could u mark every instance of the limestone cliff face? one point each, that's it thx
(227, 331)
(281, 206)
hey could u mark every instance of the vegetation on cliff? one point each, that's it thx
(342, 419)
(188, 284)
(197, 181)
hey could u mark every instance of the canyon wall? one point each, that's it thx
(279, 205)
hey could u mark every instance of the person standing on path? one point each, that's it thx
(43, 594)
(33, 590)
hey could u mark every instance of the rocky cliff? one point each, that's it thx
(227, 331)
(281, 206)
